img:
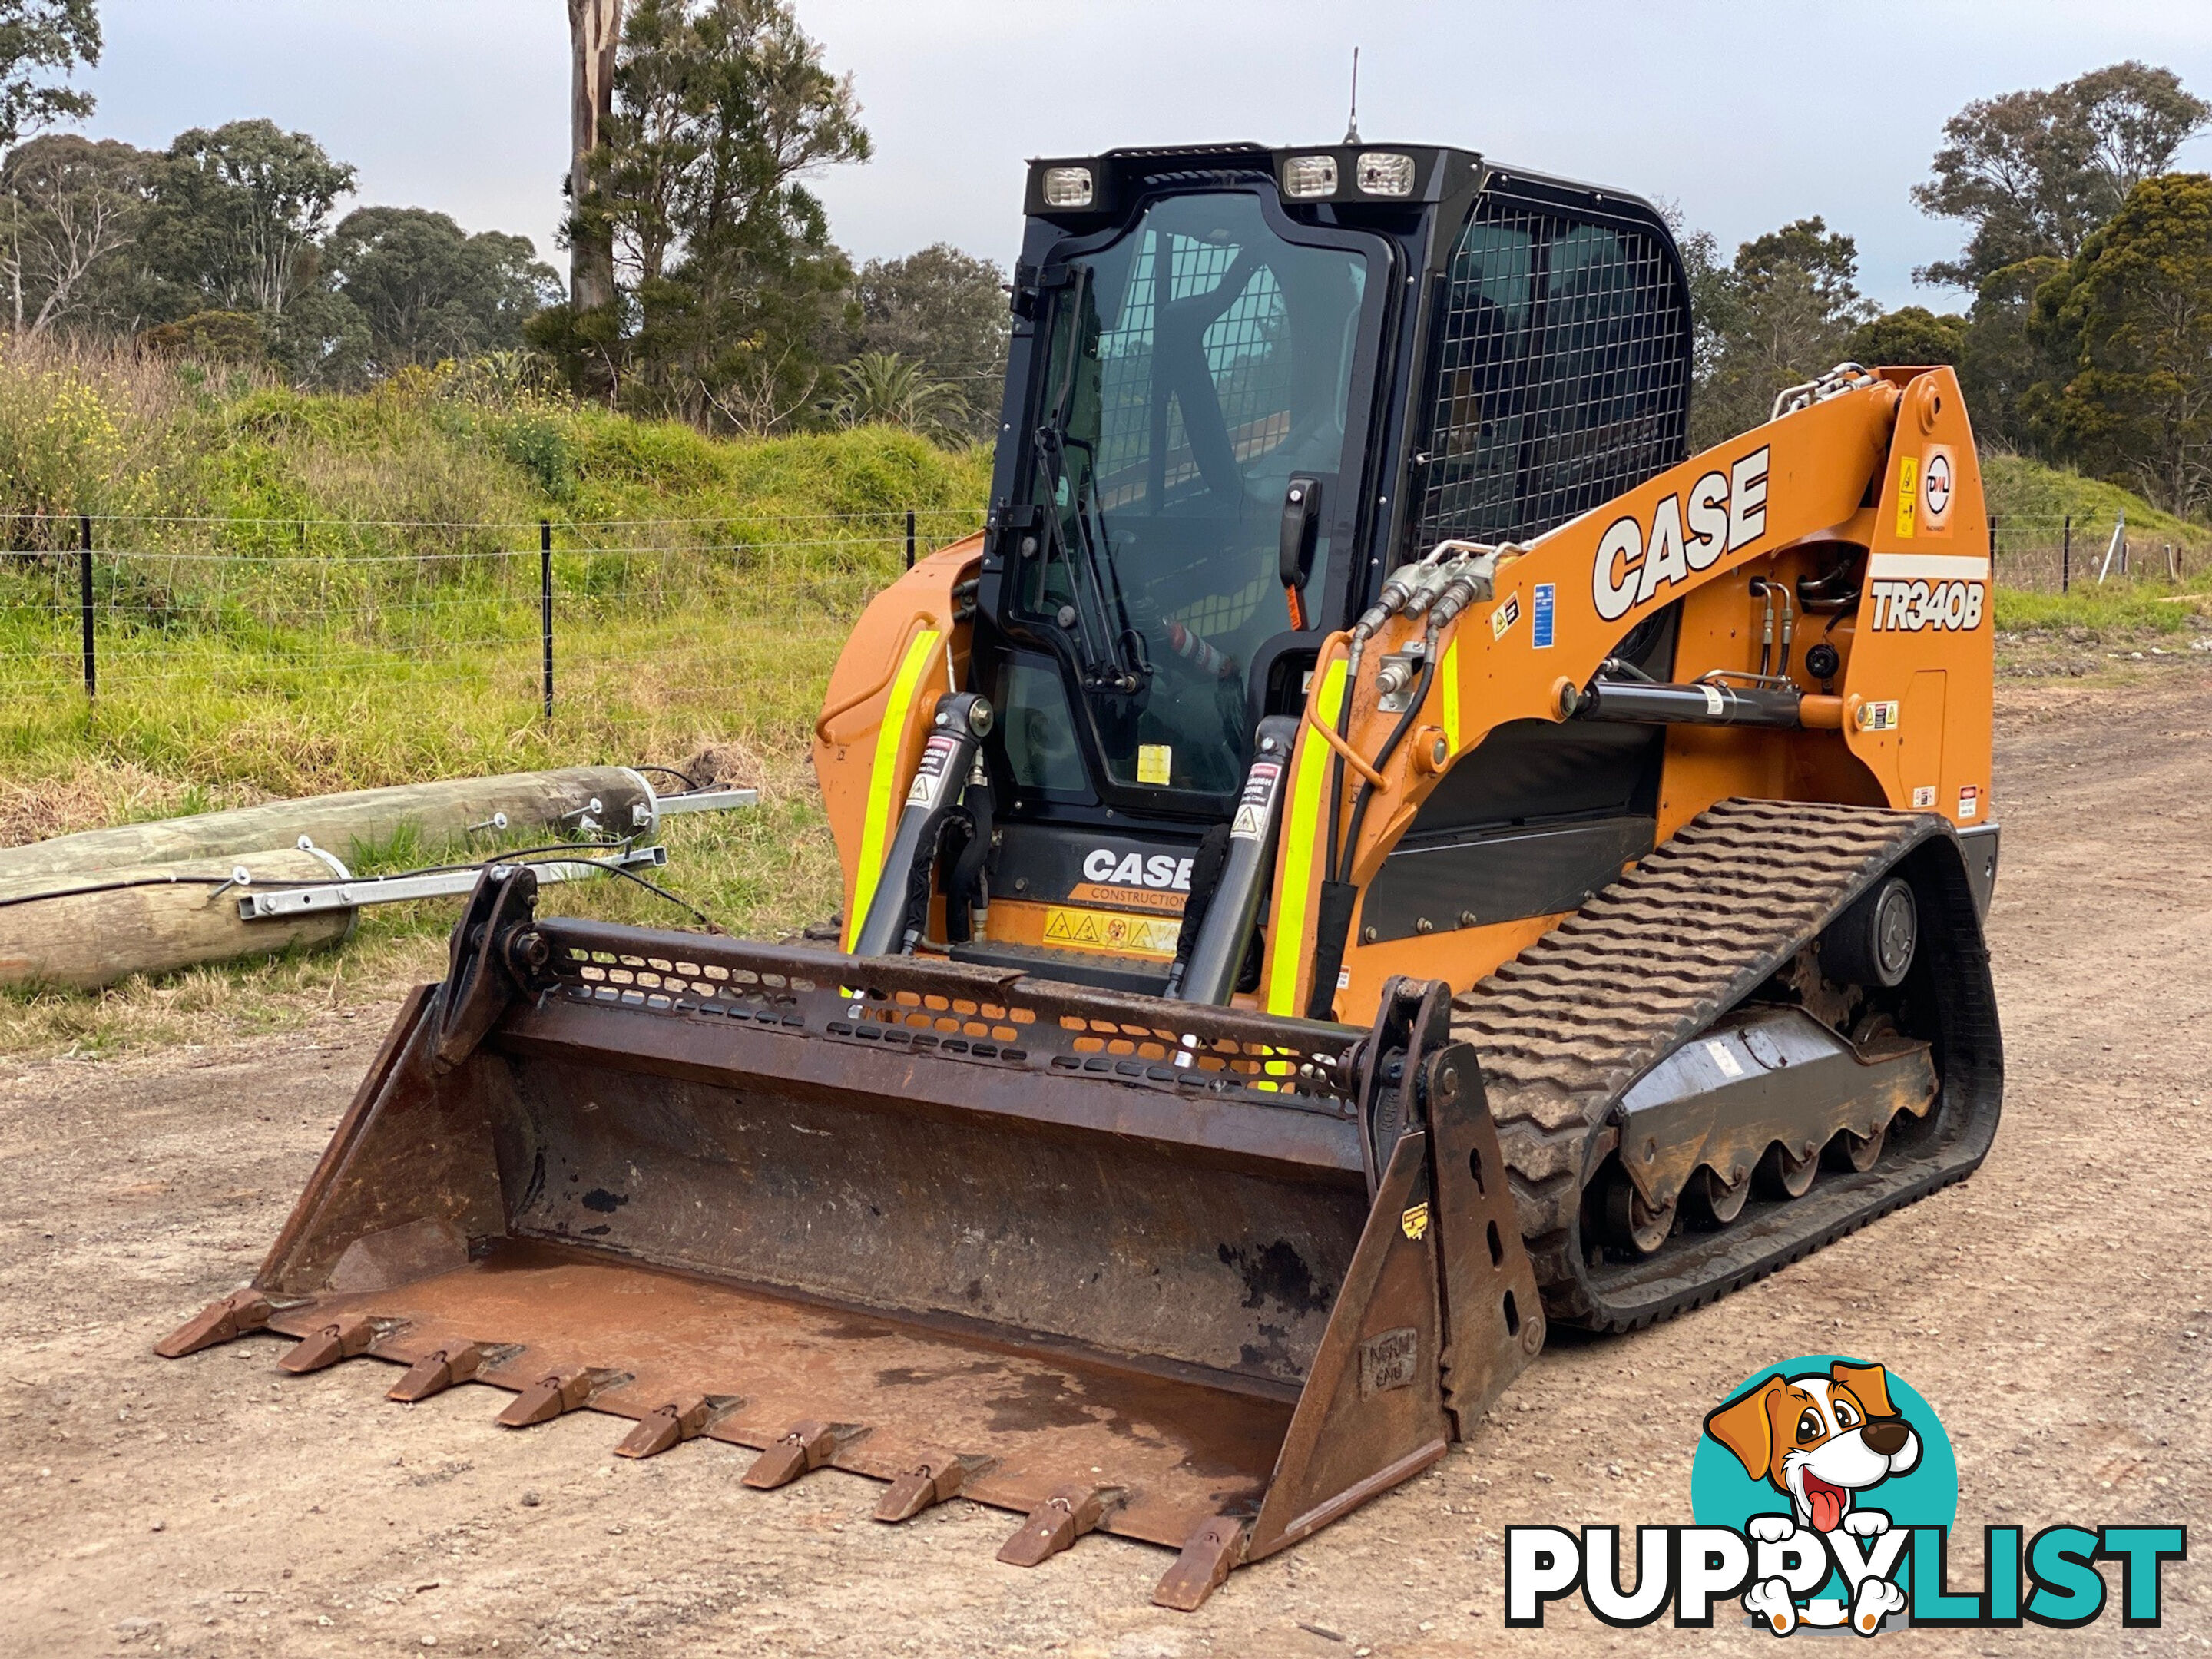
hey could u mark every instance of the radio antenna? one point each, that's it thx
(1351, 126)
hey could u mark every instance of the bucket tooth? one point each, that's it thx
(548, 1398)
(234, 1315)
(685, 1418)
(1209, 1556)
(1056, 1523)
(341, 1339)
(803, 1447)
(925, 1484)
(435, 1372)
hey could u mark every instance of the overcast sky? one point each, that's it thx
(1748, 115)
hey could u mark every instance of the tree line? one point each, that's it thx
(726, 302)
(225, 246)
(2087, 338)
(705, 283)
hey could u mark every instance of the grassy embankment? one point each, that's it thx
(2146, 612)
(352, 650)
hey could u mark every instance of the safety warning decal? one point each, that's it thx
(1923, 797)
(1109, 930)
(1908, 495)
(1877, 717)
(1258, 800)
(1970, 802)
(929, 777)
(1504, 616)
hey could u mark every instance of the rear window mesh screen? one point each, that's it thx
(1562, 372)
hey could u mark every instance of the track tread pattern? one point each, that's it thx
(1568, 1026)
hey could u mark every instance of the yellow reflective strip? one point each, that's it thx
(1300, 841)
(1451, 695)
(882, 781)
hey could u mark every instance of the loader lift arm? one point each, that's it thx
(1819, 477)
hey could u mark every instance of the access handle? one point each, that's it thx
(1301, 522)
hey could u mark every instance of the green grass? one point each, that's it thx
(703, 590)
(2111, 612)
(2031, 502)
(235, 701)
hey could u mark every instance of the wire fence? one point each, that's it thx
(147, 618)
(540, 619)
(2047, 554)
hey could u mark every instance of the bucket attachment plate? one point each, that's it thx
(1185, 1274)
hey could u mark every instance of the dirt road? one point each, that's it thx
(2057, 1310)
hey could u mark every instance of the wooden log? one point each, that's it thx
(442, 814)
(94, 929)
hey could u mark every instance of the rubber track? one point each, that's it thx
(1564, 1029)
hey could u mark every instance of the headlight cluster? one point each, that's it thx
(1376, 173)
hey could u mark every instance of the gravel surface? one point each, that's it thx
(2055, 1308)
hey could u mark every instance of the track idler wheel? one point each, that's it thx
(1629, 1220)
(1873, 942)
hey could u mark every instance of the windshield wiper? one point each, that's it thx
(1110, 651)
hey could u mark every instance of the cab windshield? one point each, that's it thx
(1194, 367)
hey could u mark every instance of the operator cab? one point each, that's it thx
(1243, 385)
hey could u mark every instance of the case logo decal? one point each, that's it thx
(1723, 511)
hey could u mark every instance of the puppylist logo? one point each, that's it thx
(1824, 1490)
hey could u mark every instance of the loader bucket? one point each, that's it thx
(1186, 1274)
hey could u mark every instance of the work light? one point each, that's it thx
(1305, 176)
(1384, 172)
(1067, 187)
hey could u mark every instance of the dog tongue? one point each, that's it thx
(1827, 1502)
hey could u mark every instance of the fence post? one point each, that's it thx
(546, 606)
(2066, 556)
(84, 599)
(1993, 549)
(909, 538)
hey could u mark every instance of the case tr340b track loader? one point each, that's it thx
(1372, 851)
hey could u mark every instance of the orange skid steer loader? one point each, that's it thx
(1373, 851)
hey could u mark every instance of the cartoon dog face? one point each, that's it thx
(1818, 1439)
